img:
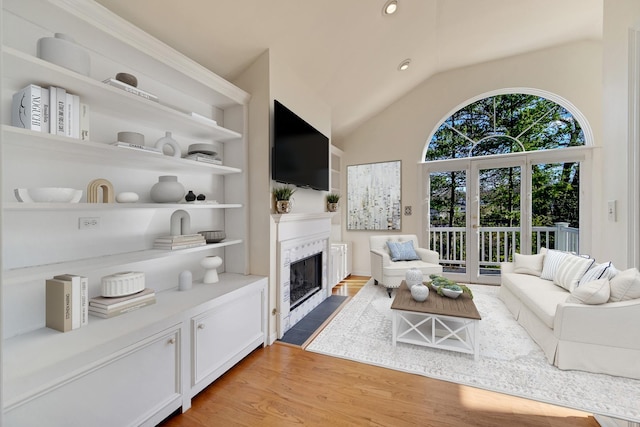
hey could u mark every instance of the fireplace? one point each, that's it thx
(303, 256)
(305, 278)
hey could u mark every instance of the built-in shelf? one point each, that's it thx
(61, 147)
(17, 206)
(20, 275)
(102, 97)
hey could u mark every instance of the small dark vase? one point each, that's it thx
(201, 197)
(190, 197)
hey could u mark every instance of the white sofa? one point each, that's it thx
(390, 273)
(600, 338)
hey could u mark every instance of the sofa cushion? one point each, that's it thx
(593, 292)
(625, 286)
(552, 261)
(402, 251)
(598, 271)
(540, 296)
(571, 270)
(528, 264)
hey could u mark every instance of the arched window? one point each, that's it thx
(505, 123)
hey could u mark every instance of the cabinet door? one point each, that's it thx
(226, 334)
(139, 385)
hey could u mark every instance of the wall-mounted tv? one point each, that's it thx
(300, 152)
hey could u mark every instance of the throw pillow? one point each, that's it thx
(593, 292)
(571, 270)
(402, 251)
(528, 264)
(625, 286)
(552, 260)
(597, 271)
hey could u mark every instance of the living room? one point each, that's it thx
(598, 76)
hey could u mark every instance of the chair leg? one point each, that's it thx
(375, 282)
(389, 290)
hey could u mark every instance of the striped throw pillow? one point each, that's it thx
(552, 260)
(596, 272)
(571, 270)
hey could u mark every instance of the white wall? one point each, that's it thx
(400, 132)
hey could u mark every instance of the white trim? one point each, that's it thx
(633, 150)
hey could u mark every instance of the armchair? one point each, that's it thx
(390, 273)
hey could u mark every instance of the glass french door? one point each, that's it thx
(477, 215)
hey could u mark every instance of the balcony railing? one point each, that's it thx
(498, 244)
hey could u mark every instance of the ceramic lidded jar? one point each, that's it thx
(62, 50)
(413, 276)
(167, 190)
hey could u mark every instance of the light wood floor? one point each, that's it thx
(283, 385)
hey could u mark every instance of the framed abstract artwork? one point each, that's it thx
(374, 196)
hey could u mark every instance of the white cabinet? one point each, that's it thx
(136, 365)
(340, 261)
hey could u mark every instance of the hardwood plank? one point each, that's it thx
(283, 385)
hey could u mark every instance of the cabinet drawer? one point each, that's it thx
(222, 335)
(125, 389)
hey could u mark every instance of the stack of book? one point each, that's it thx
(201, 157)
(131, 89)
(180, 242)
(67, 297)
(51, 110)
(107, 307)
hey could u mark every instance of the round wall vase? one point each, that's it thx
(283, 206)
(185, 280)
(62, 50)
(332, 207)
(420, 292)
(167, 190)
(210, 265)
(413, 276)
(167, 140)
(127, 197)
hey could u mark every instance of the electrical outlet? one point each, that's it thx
(611, 210)
(88, 222)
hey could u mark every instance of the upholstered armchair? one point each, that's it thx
(388, 267)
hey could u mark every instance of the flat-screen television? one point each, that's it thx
(300, 152)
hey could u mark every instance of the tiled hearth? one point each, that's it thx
(299, 236)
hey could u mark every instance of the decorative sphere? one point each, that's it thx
(420, 292)
(413, 276)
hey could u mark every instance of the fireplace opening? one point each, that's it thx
(305, 279)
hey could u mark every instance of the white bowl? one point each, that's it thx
(48, 195)
(451, 293)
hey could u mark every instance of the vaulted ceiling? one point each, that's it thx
(348, 51)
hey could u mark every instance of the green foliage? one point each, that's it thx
(333, 198)
(283, 192)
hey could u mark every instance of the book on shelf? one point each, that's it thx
(130, 89)
(182, 245)
(137, 147)
(106, 303)
(72, 119)
(200, 157)
(46, 110)
(180, 238)
(58, 305)
(26, 108)
(106, 313)
(85, 133)
(80, 298)
(60, 110)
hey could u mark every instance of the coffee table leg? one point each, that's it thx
(476, 340)
(394, 327)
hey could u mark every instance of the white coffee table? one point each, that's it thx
(439, 322)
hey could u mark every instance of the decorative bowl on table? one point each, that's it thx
(451, 293)
(213, 236)
(48, 195)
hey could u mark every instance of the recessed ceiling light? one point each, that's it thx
(390, 7)
(404, 64)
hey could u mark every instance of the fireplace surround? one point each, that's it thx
(303, 243)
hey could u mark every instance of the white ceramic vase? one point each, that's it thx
(420, 292)
(185, 280)
(210, 265)
(62, 50)
(167, 190)
(413, 276)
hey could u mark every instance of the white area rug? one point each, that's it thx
(510, 362)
